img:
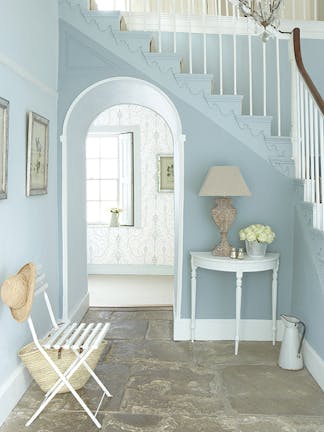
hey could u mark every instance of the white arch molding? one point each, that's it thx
(83, 110)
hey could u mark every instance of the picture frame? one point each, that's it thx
(4, 141)
(165, 173)
(37, 154)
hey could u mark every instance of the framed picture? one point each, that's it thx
(166, 173)
(4, 123)
(37, 154)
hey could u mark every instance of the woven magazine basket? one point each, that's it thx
(43, 373)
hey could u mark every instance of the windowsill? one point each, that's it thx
(102, 225)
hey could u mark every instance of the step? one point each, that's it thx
(135, 40)
(226, 103)
(279, 146)
(165, 61)
(105, 20)
(196, 83)
(257, 124)
(284, 165)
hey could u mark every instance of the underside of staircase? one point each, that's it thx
(165, 69)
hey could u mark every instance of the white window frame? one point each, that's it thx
(135, 130)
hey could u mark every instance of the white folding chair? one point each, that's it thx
(82, 339)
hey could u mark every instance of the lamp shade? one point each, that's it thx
(224, 181)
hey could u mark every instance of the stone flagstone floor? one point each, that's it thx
(160, 385)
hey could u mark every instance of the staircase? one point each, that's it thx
(166, 70)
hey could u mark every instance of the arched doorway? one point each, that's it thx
(85, 108)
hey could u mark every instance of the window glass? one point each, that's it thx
(110, 182)
(93, 190)
(93, 211)
(93, 168)
(109, 168)
(93, 147)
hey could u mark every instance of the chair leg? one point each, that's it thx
(63, 380)
(94, 376)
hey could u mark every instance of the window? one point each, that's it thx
(110, 175)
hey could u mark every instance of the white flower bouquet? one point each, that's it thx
(116, 210)
(257, 232)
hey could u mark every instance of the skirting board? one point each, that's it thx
(224, 329)
(130, 269)
(12, 390)
(19, 380)
(314, 364)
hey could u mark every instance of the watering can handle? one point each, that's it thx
(303, 335)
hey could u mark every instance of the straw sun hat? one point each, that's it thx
(17, 292)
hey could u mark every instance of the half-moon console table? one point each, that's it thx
(206, 260)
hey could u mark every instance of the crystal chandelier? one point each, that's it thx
(264, 12)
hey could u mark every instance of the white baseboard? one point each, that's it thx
(79, 310)
(12, 390)
(130, 269)
(314, 364)
(130, 290)
(224, 329)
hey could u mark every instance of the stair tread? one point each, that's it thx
(225, 96)
(163, 55)
(256, 117)
(195, 76)
(282, 139)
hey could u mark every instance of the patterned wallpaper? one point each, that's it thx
(152, 243)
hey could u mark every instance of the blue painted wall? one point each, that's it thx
(83, 62)
(28, 226)
(313, 57)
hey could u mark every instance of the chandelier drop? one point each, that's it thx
(264, 12)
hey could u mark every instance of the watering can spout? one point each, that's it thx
(290, 352)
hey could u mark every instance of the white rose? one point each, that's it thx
(251, 236)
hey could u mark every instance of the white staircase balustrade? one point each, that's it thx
(290, 10)
(307, 133)
(180, 26)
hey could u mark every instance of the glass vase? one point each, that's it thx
(254, 249)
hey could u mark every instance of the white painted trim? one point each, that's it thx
(130, 269)
(224, 329)
(12, 389)
(178, 141)
(178, 210)
(79, 311)
(314, 363)
(26, 75)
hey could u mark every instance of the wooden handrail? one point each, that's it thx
(299, 61)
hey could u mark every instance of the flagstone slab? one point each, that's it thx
(271, 390)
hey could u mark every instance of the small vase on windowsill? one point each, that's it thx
(255, 249)
(114, 220)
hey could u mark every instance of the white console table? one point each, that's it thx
(207, 261)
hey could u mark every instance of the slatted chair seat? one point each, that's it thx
(82, 339)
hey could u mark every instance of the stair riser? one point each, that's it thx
(196, 83)
(257, 125)
(165, 63)
(108, 21)
(226, 103)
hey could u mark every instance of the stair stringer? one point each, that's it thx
(76, 16)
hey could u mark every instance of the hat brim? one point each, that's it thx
(28, 271)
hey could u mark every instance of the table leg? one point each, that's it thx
(193, 299)
(274, 301)
(239, 276)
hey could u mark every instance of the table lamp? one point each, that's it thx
(224, 182)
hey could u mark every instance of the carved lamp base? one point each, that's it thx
(224, 215)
